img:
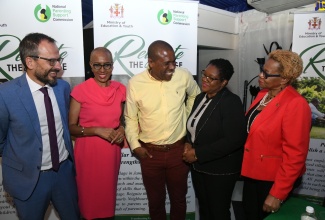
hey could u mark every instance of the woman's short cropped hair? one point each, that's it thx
(225, 68)
(291, 64)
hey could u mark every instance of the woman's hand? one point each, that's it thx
(119, 135)
(271, 204)
(105, 133)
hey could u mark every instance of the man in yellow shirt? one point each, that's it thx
(155, 114)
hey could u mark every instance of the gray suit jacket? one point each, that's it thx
(20, 135)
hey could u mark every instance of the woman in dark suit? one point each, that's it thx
(216, 135)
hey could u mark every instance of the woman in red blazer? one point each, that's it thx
(278, 126)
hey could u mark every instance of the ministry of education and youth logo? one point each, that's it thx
(42, 14)
(314, 23)
(116, 11)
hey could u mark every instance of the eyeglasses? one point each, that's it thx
(208, 78)
(266, 75)
(106, 66)
(51, 61)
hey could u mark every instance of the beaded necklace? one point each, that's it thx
(262, 103)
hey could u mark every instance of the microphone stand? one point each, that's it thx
(246, 84)
(260, 62)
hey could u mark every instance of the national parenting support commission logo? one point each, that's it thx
(164, 17)
(42, 14)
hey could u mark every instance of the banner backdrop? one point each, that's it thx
(309, 43)
(127, 28)
(61, 20)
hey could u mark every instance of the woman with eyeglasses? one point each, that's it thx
(216, 135)
(95, 119)
(278, 126)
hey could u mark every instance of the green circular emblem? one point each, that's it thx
(42, 14)
(164, 17)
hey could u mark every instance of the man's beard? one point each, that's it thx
(44, 77)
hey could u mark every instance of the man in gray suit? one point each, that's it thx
(32, 174)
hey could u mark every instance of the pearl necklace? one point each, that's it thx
(262, 103)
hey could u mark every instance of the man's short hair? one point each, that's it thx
(29, 45)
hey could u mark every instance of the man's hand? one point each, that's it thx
(187, 147)
(189, 153)
(142, 153)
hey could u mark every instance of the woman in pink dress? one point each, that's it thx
(95, 120)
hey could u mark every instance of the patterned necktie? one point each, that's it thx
(52, 130)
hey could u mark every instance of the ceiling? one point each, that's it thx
(228, 5)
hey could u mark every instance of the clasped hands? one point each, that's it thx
(189, 155)
(111, 134)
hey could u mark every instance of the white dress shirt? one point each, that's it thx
(38, 97)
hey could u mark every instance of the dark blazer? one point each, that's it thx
(20, 134)
(221, 134)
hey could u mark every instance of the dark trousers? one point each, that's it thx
(166, 169)
(56, 187)
(214, 194)
(254, 195)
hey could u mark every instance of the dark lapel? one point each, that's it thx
(212, 107)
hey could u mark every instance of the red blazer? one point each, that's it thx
(277, 144)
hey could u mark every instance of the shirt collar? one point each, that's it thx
(34, 86)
